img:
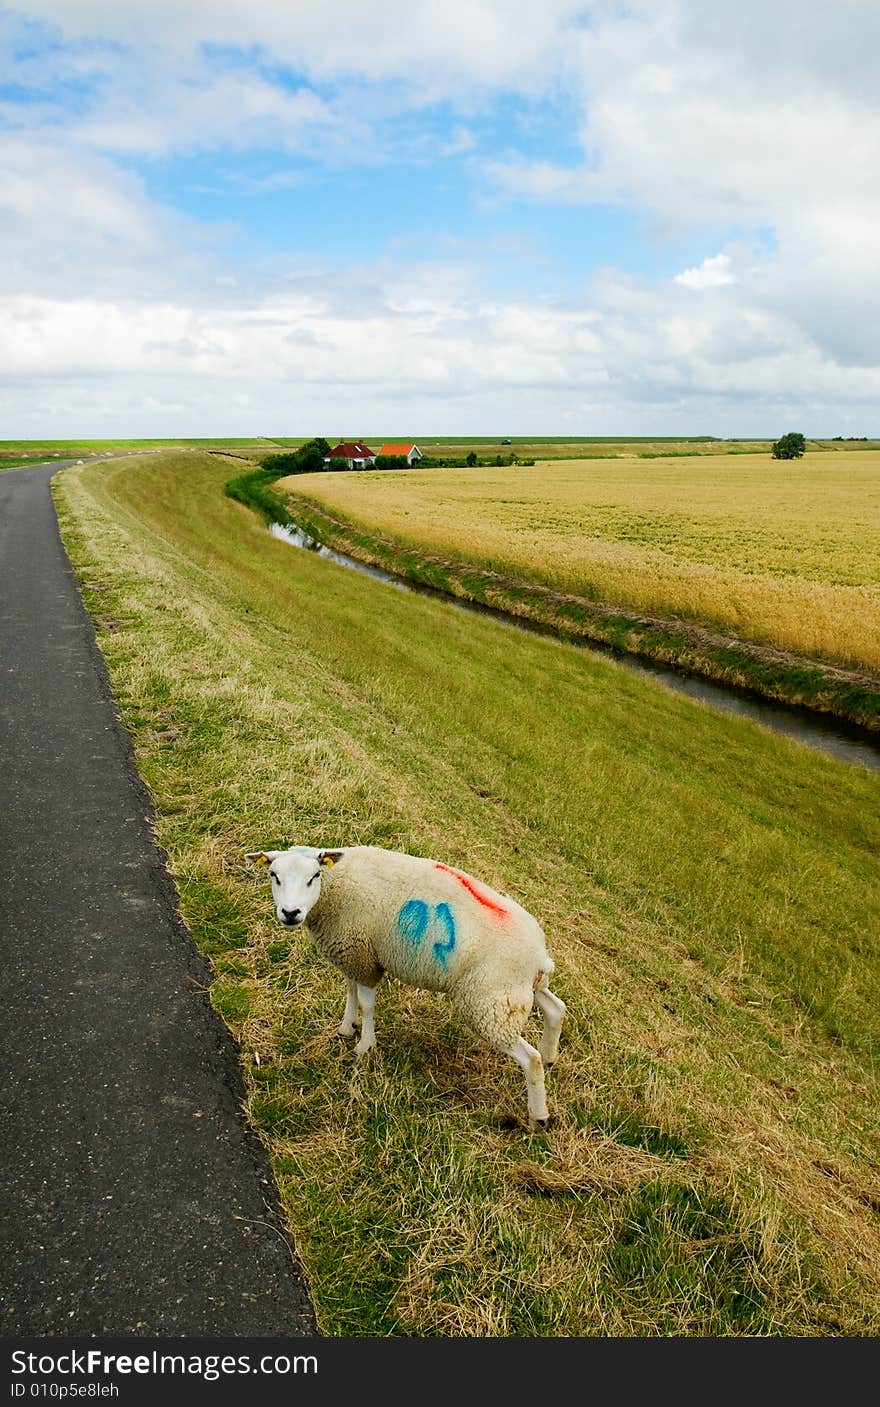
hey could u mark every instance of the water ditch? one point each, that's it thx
(845, 741)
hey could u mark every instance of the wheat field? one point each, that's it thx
(783, 553)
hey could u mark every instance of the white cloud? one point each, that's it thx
(714, 272)
(382, 347)
(763, 121)
(152, 78)
(189, 112)
(439, 47)
(706, 113)
(43, 183)
(74, 221)
(761, 117)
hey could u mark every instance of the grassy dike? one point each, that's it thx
(710, 893)
(772, 673)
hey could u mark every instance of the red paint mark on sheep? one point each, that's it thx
(471, 888)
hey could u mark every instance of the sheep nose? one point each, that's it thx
(290, 915)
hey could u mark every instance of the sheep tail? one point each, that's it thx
(543, 975)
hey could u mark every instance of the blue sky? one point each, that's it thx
(426, 218)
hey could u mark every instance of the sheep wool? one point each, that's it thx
(372, 911)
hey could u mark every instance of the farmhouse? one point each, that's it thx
(408, 452)
(355, 452)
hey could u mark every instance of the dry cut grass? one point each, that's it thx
(710, 893)
(785, 554)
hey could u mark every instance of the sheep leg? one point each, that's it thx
(349, 1023)
(366, 997)
(553, 1012)
(533, 1069)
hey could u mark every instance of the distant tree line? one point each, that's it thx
(470, 461)
(428, 461)
(309, 459)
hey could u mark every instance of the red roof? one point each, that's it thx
(397, 449)
(350, 449)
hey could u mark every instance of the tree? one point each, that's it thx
(790, 446)
(391, 461)
(471, 460)
(308, 459)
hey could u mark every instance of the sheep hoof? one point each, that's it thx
(346, 1032)
(539, 1125)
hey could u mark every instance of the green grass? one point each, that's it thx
(255, 489)
(15, 454)
(709, 890)
(67, 448)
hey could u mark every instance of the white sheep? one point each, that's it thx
(372, 911)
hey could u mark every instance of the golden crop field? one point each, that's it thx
(786, 553)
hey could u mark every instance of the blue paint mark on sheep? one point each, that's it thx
(416, 916)
(412, 920)
(442, 950)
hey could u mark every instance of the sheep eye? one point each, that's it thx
(316, 875)
(274, 877)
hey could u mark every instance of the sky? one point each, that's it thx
(361, 218)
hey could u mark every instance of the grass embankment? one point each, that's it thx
(15, 454)
(759, 573)
(711, 894)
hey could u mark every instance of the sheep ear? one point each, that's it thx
(262, 857)
(329, 857)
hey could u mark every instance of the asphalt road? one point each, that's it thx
(135, 1199)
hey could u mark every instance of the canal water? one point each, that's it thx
(842, 740)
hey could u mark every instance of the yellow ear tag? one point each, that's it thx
(325, 860)
(262, 860)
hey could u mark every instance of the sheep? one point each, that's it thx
(372, 911)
